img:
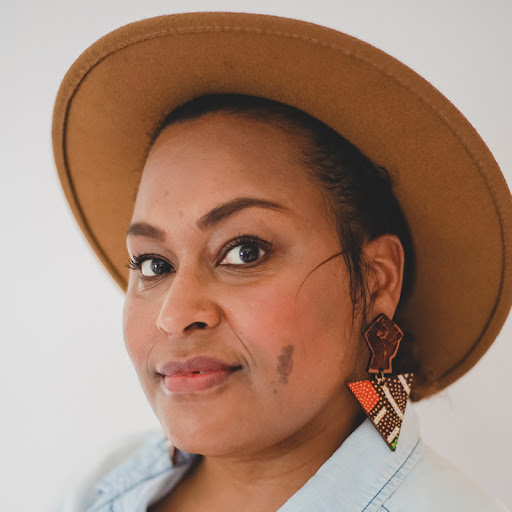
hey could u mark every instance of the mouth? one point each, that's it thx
(195, 374)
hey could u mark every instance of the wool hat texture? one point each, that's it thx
(453, 195)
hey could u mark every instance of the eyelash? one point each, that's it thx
(245, 240)
(137, 260)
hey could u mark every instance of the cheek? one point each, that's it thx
(293, 326)
(139, 329)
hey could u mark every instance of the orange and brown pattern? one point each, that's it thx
(384, 401)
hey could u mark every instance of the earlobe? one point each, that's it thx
(385, 259)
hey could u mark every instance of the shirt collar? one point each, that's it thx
(362, 473)
(143, 478)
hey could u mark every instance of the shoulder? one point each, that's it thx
(434, 485)
(85, 490)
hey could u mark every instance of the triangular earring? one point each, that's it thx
(384, 402)
(384, 398)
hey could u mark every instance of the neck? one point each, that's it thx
(274, 474)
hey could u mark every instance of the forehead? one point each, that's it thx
(197, 164)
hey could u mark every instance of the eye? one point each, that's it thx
(150, 265)
(244, 251)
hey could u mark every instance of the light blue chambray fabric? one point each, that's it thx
(363, 475)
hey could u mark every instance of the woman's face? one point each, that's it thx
(239, 329)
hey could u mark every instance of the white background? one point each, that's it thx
(67, 389)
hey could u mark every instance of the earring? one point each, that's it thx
(383, 398)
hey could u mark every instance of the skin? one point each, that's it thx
(285, 320)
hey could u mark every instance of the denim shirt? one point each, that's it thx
(362, 475)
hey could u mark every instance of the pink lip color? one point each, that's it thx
(195, 374)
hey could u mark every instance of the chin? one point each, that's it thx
(204, 433)
(215, 437)
(204, 441)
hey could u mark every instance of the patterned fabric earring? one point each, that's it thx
(384, 398)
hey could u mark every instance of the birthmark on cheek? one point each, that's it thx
(285, 363)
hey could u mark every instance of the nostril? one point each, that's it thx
(196, 325)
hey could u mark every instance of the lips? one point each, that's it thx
(195, 374)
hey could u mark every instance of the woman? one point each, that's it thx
(268, 256)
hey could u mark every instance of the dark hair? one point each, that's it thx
(358, 192)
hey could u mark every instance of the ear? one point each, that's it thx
(385, 259)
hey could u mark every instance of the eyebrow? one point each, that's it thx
(225, 210)
(146, 230)
(209, 219)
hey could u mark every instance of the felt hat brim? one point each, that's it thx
(452, 193)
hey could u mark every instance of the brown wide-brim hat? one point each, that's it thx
(451, 190)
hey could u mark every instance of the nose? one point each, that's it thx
(188, 306)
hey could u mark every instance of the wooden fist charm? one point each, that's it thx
(383, 337)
